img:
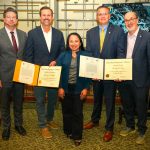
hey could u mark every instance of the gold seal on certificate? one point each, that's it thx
(47, 76)
(105, 69)
(118, 69)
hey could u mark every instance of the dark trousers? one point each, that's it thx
(134, 99)
(107, 90)
(17, 92)
(45, 115)
(98, 101)
(72, 110)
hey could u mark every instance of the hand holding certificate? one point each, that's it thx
(35, 75)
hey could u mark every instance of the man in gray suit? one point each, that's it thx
(12, 41)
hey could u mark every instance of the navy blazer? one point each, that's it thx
(113, 46)
(64, 60)
(141, 59)
(36, 50)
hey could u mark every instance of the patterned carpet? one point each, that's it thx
(92, 139)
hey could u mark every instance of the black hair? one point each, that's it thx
(46, 7)
(74, 33)
(10, 9)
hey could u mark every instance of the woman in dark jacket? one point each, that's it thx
(73, 89)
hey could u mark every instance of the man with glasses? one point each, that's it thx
(12, 42)
(104, 41)
(134, 93)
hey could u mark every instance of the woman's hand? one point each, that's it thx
(83, 94)
(61, 93)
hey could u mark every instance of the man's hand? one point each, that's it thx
(53, 63)
(0, 84)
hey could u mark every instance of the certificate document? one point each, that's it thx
(91, 67)
(26, 72)
(118, 69)
(36, 75)
(49, 76)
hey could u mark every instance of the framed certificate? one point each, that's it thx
(28, 73)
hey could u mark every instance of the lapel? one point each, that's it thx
(97, 39)
(54, 36)
(5, 36)
(107, 36)
(41, 36)
(126, 37)
(138, 40)
(19, 40)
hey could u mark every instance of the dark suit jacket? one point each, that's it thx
(64, 60)
(36, 50)
(113, 46)
(8, 55)
(141, 59)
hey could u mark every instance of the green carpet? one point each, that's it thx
(92, 139)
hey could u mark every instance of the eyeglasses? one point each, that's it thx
(130, 20)
(102, 14)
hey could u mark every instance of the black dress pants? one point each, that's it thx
(134, 99)
(16, 91)
(72, 110)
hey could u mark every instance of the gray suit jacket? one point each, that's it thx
(8, 55)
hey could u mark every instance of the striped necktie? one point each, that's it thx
(14, 41)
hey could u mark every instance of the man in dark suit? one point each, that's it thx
(110, 45)
(12, 42)
(44, 44)
(135, 93)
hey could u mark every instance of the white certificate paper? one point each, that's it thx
(49, 76)
(26, 72)
(91, 67)
(118, 69)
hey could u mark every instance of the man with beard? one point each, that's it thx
(134, 93)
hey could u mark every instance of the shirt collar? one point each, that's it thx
(134, 34)
(48, 31)
(8, 31)
(104, 27)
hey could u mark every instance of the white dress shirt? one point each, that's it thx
(15, 34)
(130, 43)
(48, 38)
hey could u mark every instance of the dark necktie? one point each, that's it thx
(14, 41)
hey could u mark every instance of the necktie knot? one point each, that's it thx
(12, 33)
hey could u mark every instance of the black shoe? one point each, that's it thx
(77, 142)
(69, 136)
(20, 130)
(6, 134)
